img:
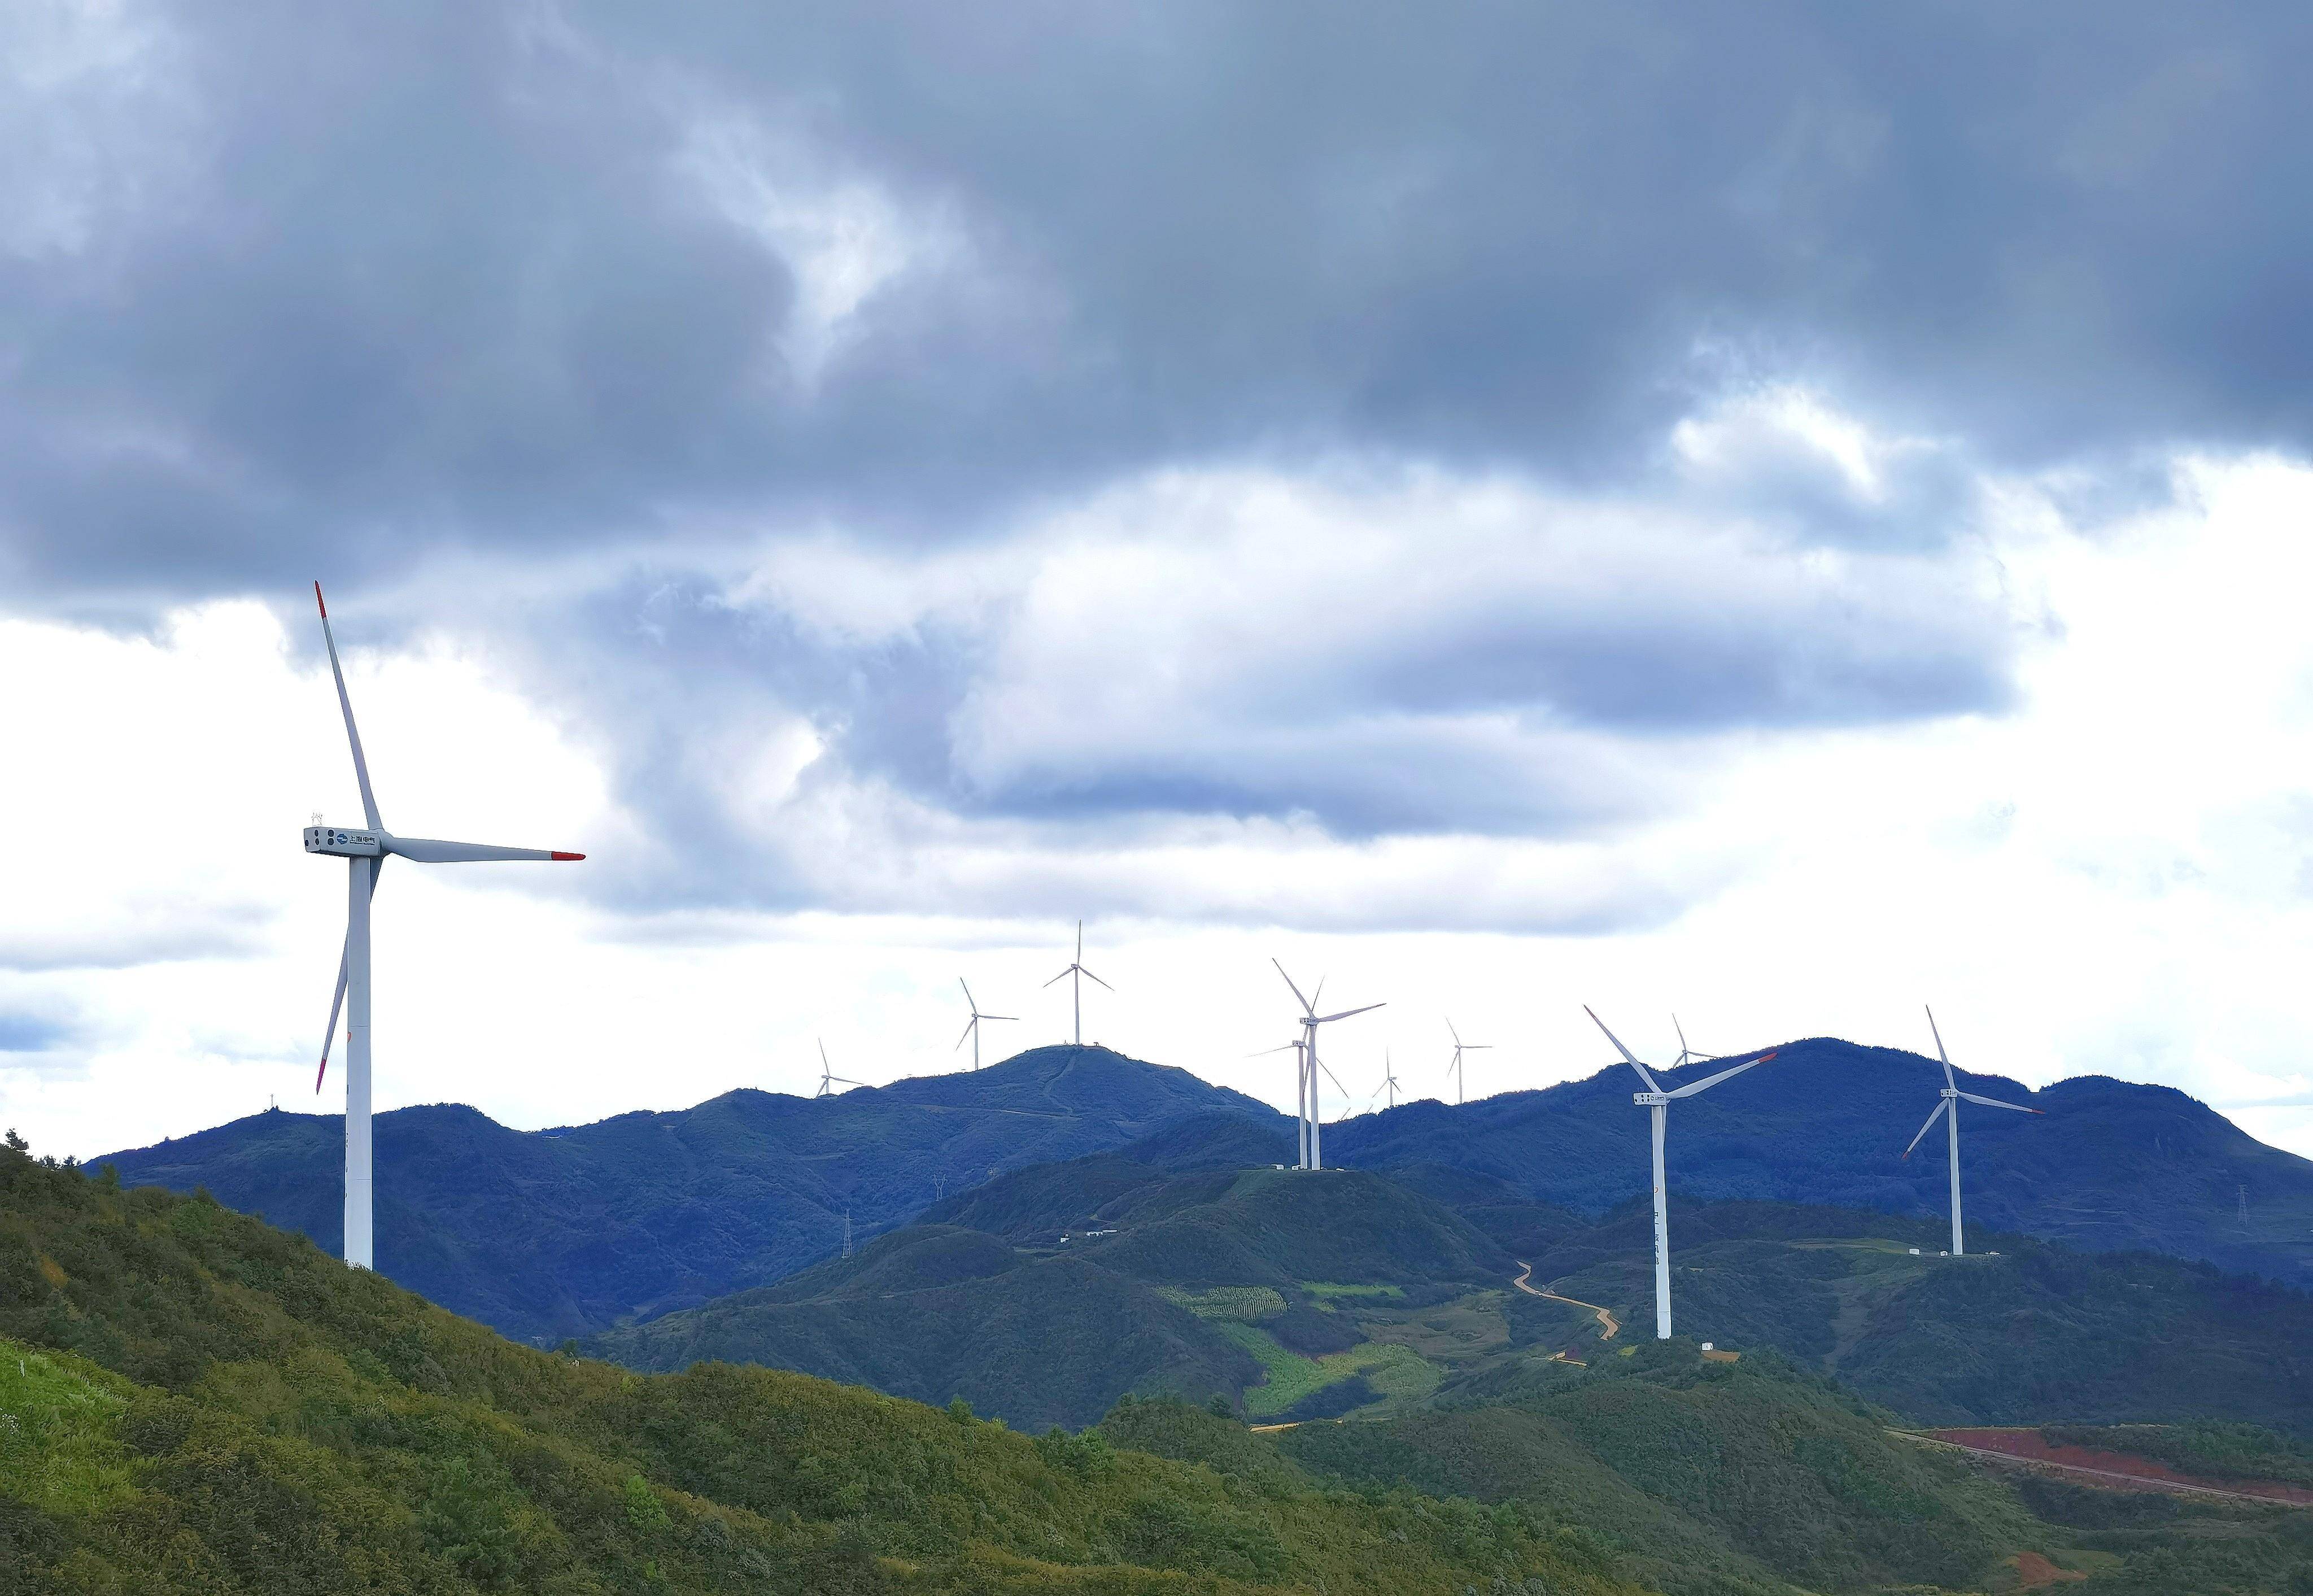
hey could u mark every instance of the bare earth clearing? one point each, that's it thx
(2119, 1470)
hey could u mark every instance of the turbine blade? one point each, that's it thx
(822, 1054)
(361, 766)
(1683, 1048)
(961, 981)
(960, 1041)
(1628, 1056)
(977, 1016)
(1939, 1049)
(425, 851)
(1345, 1014)
(1336, 1079)
(1707, 1082)
(1305, 1006)
(1453, 1032)
(1941, 1103)
(1265, 1053)
(1063, 975)
(330, 1036)
(1996, 1103)
(1091, 976)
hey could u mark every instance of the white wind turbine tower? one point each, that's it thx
(1075, 968)
(1656, 1103)
(828, 1079)
(1312, 1152)
(1300, 1092)
(1461, 1047)
(365, 851)
(972, 1030)
(1952, 1097)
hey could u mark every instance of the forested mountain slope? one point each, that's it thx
(197, 1403)
(2107, 1166)
(551, 1234)
(1050, 1292)
(565, 1233)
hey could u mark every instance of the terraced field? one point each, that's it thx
(1396, 1373)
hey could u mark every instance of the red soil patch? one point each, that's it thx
(2033, 1571)
(2121, 1468)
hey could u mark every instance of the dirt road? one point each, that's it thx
(1609, 1328)
(2026, 1449)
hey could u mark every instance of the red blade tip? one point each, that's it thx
(317, 599)
(569, 856)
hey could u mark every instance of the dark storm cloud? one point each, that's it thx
(428, 275)
(641, 291)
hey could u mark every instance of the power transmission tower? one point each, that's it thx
(2242, 1190)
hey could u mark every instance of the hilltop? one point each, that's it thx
(549, 1234)
(2109, 1166)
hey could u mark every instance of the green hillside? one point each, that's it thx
(1719, 1479)
(1048, 1292)
(549, 1234)
(2023, 1332)
(197, 1403)
(1290, 1294)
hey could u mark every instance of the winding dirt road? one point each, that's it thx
(1609, 1327)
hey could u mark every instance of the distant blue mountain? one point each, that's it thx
(551, 1234)
(562, 1233)
(2107, 1166)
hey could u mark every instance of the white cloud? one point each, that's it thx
(2113, 876)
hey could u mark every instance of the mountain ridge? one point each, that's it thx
(549, 1234)
(569, 1231)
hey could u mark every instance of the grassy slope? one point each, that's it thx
(202, 1403)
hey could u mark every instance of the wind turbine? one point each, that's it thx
(1656, 1103)
(1461, 1047)
(365, 851)
(829, 1078)
(972, 1029)
(1687, 1055)
(1313, 1152)
(1301, 1094)
(1388, 1080)
(1075, 968)
(1952, 1095)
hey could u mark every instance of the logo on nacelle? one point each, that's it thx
(346, 845)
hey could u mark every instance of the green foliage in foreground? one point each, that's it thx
(203, 1404)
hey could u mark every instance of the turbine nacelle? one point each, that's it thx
(1651, 1099)
(376, 843)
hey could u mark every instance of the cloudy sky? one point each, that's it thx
(1783, 513)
